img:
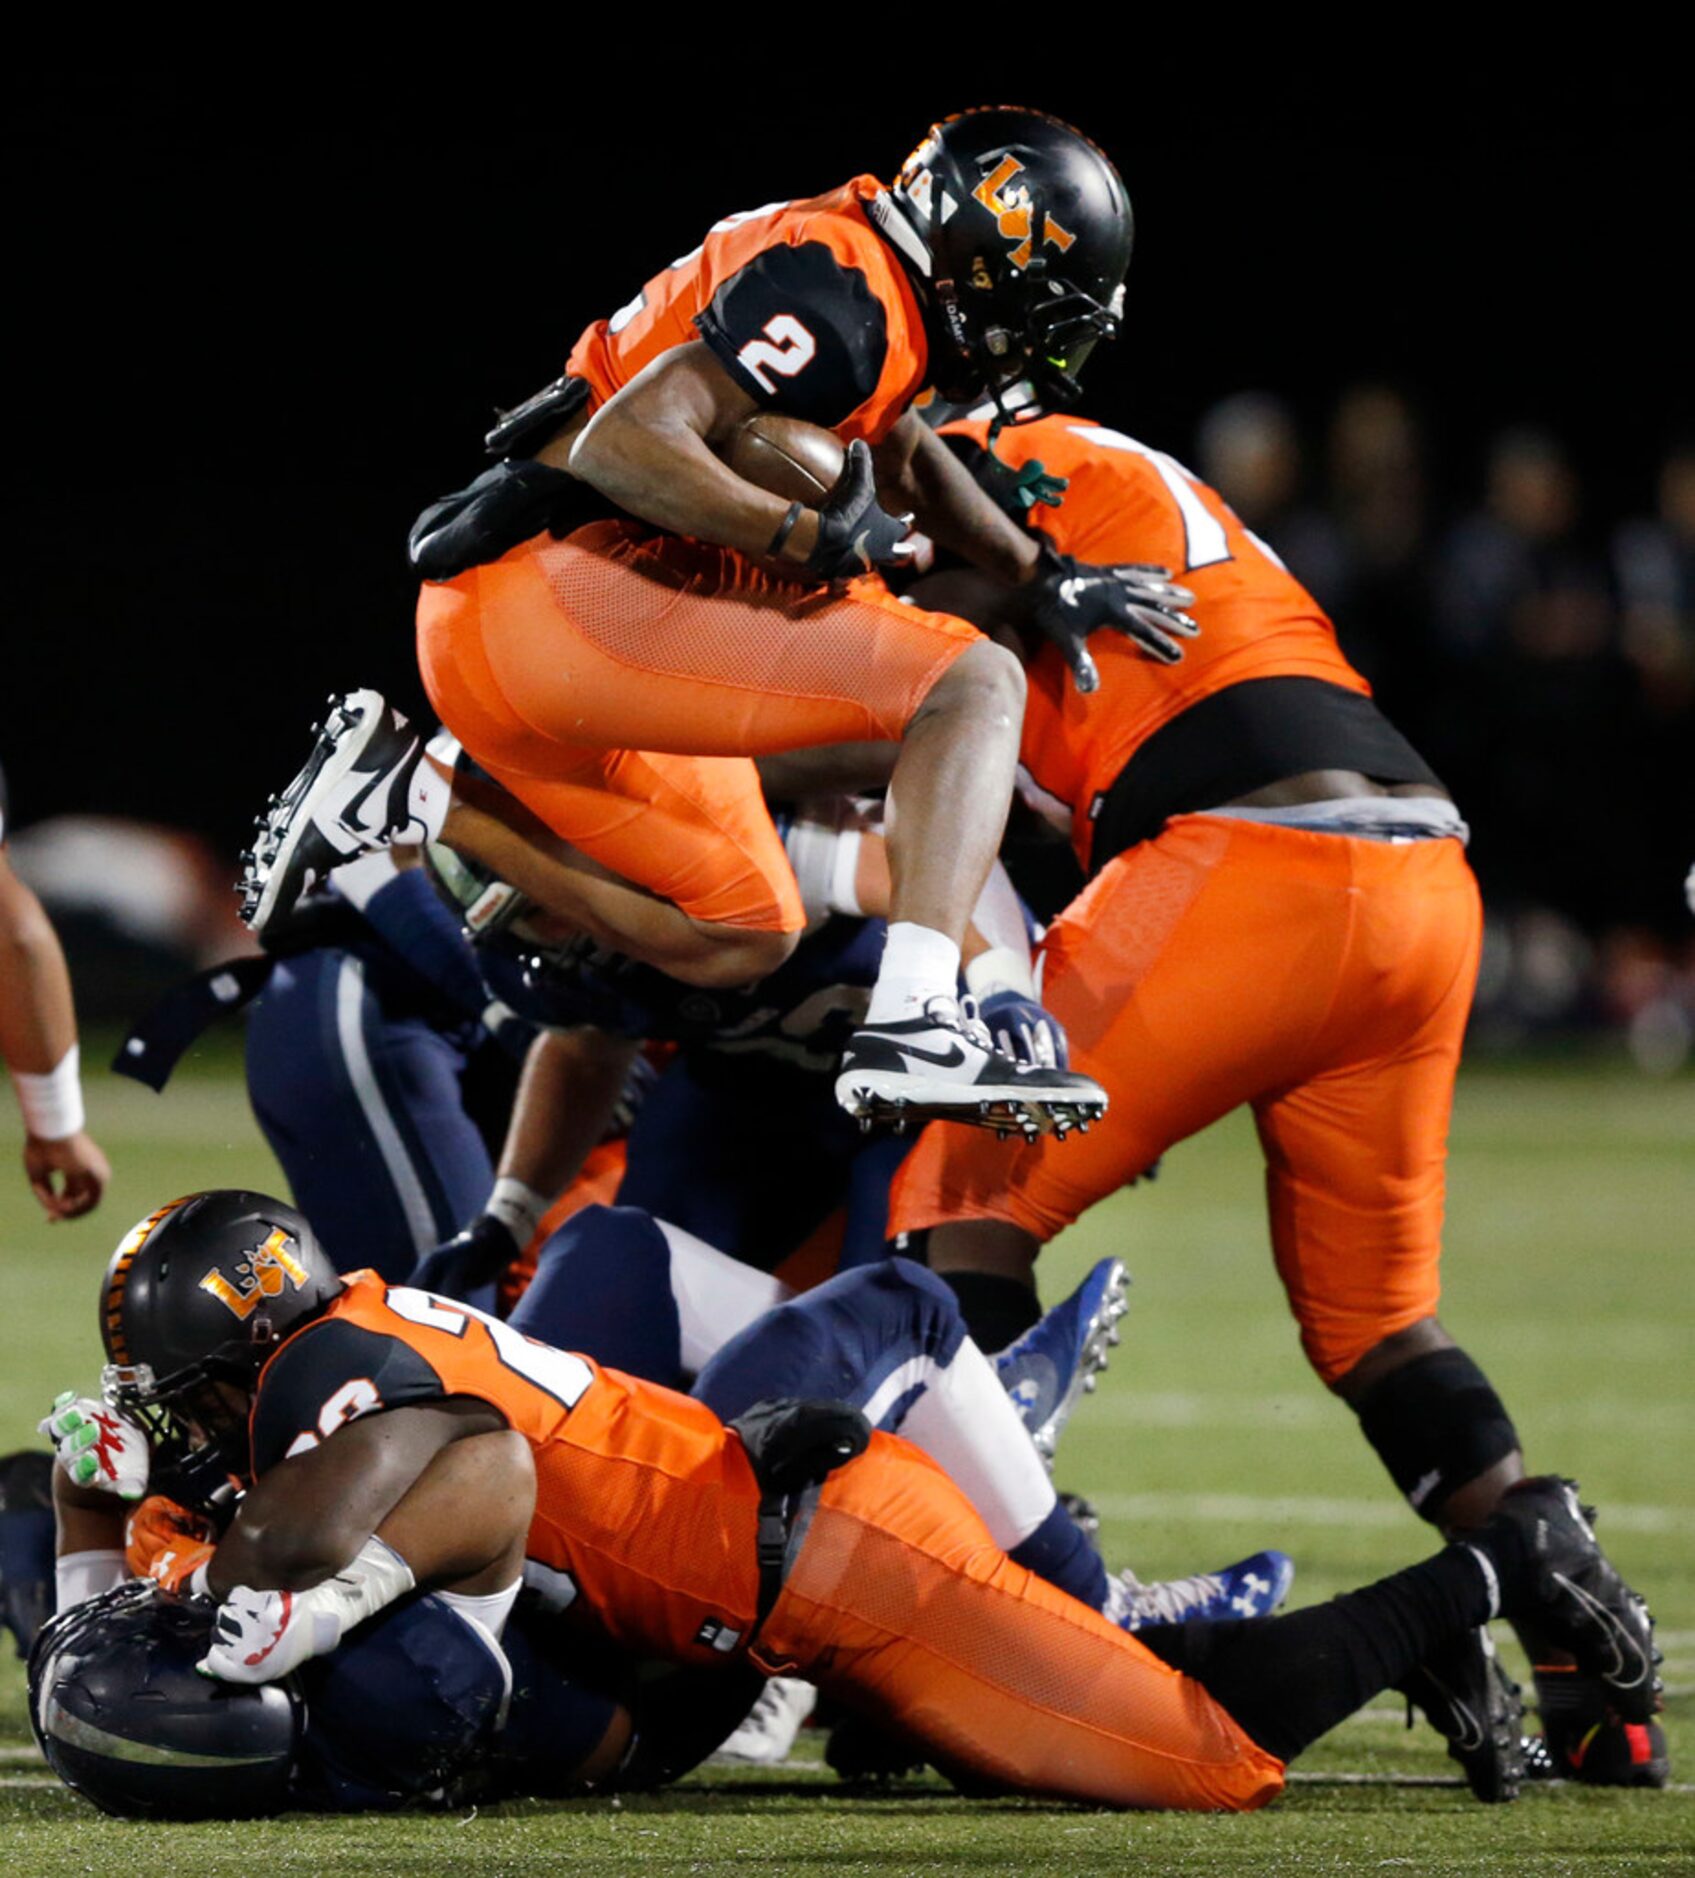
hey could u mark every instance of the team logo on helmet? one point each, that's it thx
(1010, 206)
(259, 1274)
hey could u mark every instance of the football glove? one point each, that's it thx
(1023, 1030)
(1071, 599)
(855, 534)
(98, 1447)
(473, 1258)
(261, 1636)
(168, 1543)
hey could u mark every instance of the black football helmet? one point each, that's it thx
(124, 1718)
(1019, 229)
(200, 1293)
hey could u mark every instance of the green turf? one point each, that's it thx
(1571, 1246)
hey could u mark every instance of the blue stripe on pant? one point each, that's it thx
(360, 1100)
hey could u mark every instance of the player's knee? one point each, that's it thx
(725, 957)
(985, 684)
(1435, 1420)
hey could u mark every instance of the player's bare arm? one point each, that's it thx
(66, 1170)
(917, 472)
(311, 1514)
(650, 448)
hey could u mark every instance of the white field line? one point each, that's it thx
(1181, 1409)
(1315, 1510)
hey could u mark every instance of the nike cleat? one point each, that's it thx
(943, 1066)
(1559, 1581)
(1253, 1587)
(1061, 1357)
(1471, 1701)
(350, 798)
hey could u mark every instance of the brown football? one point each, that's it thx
(787, 456)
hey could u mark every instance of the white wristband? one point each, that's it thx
(518, 1207)
(52, 1104)
(79, 1576)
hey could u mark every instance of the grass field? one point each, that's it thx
(1570, 1263)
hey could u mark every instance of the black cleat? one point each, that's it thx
(1471, 1701)
(1556, 1578)
(1583, 1737)
(943, 1066)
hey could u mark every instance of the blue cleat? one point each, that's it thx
(1253, 1587)
(1059, 1358)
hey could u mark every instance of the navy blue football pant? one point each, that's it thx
(362, 1102)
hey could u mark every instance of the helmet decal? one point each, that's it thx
(132, 1242)
(260, 1273)
(1011, 210)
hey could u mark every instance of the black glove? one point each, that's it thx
(1071, 599)
(470, 1259)
(480, 523)
(854, 534)
(794, 1444)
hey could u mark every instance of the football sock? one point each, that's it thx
(919, 964)
(1287, 1680)
(429, 795)
(997, 1310)
(1058, 1552)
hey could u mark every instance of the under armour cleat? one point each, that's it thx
(943, 1066)
(349, 798)
(1557, 1579)
(1584, 1739)
(1061, 1357)
(1253, 1587)
(768, 1733)
(1471, 1701)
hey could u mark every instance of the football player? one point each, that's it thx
(63, 1163)
(797, 1540)
(601, 627)
(1279, 914)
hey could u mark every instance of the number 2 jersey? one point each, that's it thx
(804, 304)
(1264, 693)
(645, 1502)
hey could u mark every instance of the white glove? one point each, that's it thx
(98, 1447)
(1689, 888)
(261, 1636)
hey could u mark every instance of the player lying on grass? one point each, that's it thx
(602, 628)
(799, 1540)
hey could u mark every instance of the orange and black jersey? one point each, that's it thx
(1264, 693)
(645, 1503)
(804, 304)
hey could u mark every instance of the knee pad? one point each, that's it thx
(401, 1709)
(1436, 1423)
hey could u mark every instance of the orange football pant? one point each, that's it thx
(1322, 979)
(898, 1602)
(618, 682)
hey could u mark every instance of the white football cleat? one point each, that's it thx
(350, 797)
(943, 1066)
(767, 1736)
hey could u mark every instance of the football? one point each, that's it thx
(787, 456)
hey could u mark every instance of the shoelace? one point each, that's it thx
(960, 1014)
(1172, 1600)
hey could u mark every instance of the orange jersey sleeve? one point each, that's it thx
(645, 1503)
(803, 303)
(1127, 502)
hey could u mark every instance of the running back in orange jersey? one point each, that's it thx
(803, 304)
(1126, 502)
(646, 1506)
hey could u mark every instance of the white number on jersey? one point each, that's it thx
(786, 347)
(555, 1372)
(1205, 542)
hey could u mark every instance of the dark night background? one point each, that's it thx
(255, 324)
